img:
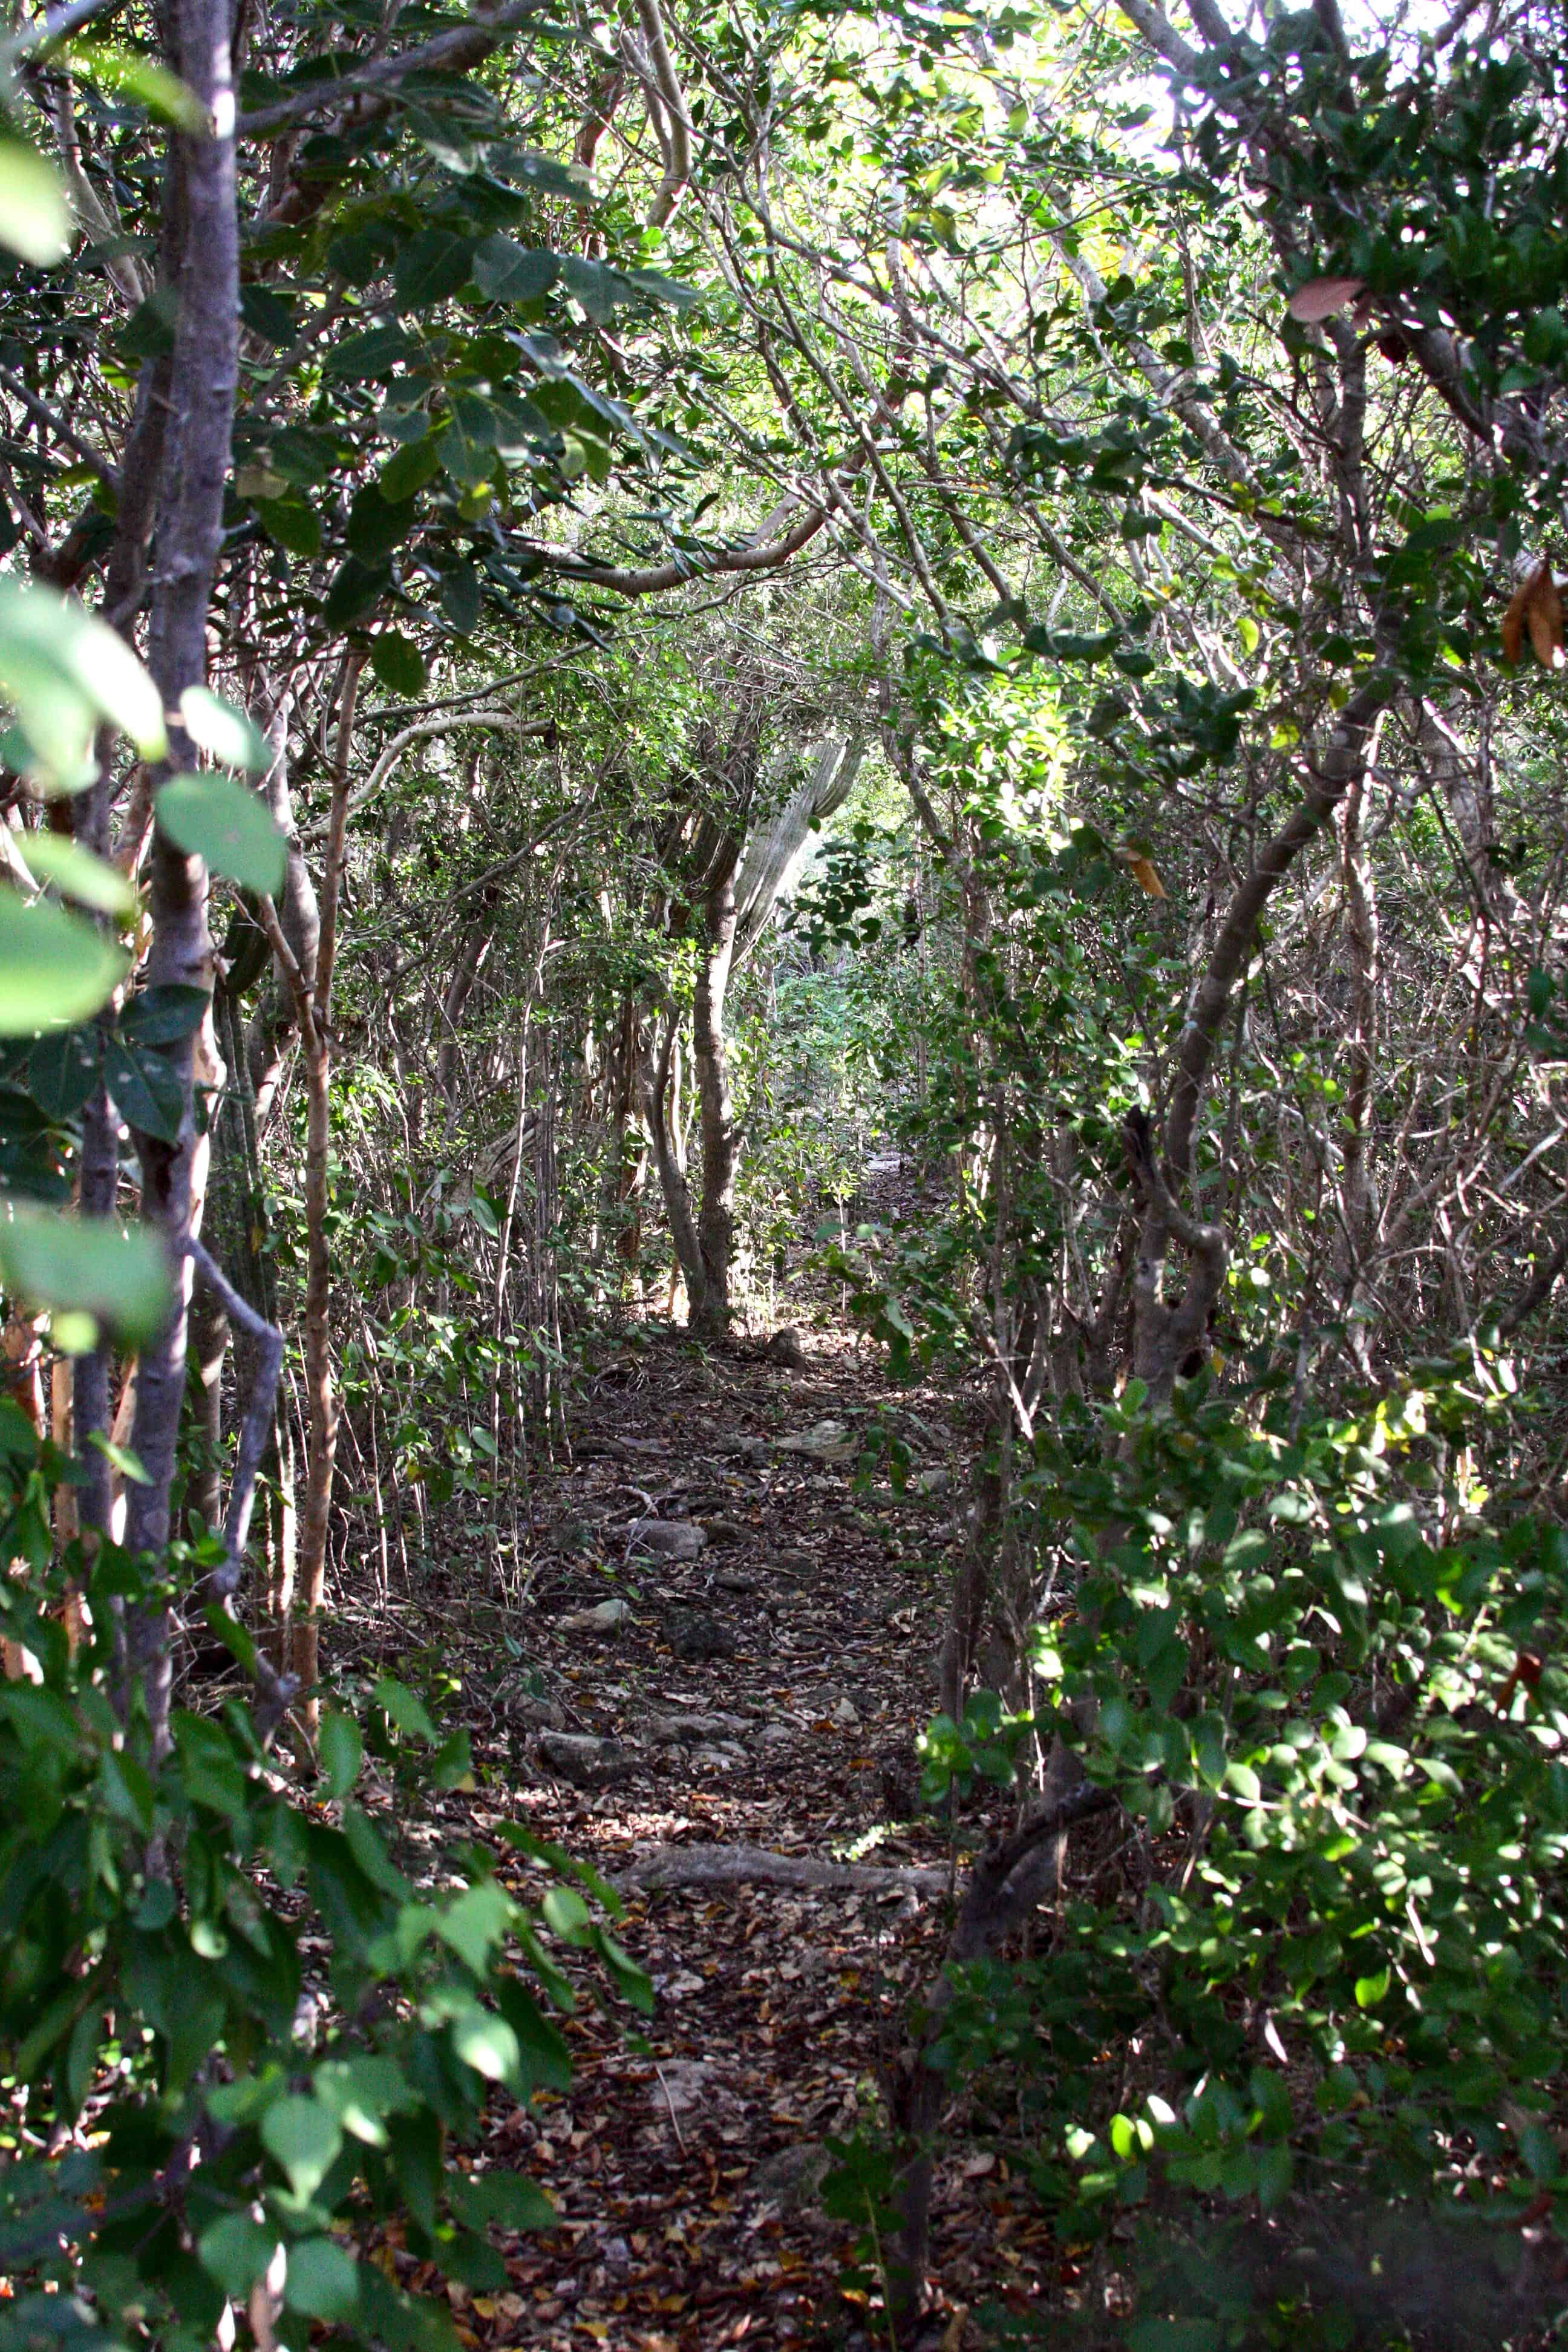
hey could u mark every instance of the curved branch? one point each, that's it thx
(677, 143)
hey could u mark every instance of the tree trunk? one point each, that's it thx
(321, 1395)
(659, 1085)
(716, 1218)
(206, 371)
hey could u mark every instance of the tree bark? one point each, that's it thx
(202, 390)
(716, 1216)
(321, 1397)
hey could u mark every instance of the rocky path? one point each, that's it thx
(727, 1643)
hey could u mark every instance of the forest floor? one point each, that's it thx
(765, 1691)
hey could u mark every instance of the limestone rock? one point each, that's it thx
(670, 1538)
(693, 1634)
(607, 1617)
(586, 1762)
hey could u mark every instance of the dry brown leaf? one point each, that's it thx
(1324, 297)
(1142, 872)
(1543, 613)
(1535, 605)
(1513, 619)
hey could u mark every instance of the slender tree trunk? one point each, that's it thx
(716, 1219)
(321, 1397)
(202, 387)
(664, 1138)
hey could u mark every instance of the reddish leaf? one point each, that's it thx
(1324, 297)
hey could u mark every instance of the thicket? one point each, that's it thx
(604, 618)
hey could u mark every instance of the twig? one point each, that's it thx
(669, 2103)
(39, 410)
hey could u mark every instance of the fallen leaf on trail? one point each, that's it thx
(1324, 298)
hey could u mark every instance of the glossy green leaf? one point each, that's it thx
(77, 873)
(148, 1090)
(398, 663)
(509, 272)
(213, 817)
(34, 213)
(65, 672)
(431, 266)
(296, 527)
(323, 2280)
(55, 968)
(305, 2138)
(227, 735)
(342, 1753)
(88, 1266)
(377, 525)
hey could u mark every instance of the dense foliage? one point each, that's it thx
(607, 621)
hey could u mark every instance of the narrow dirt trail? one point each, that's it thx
(763, 1691)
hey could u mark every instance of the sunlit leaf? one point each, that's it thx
(88, 1266)
(55, 968)
(212, 816)
(35, 215)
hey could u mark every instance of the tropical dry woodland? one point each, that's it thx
(783, 1019)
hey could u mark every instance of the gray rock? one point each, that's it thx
(670, 1538)
(677, 1730)
(935, 1481)
(586, 1762)
(538, 1714)
(607, 1617)
(692, 1634)
(734, 1580)
(793, 2177)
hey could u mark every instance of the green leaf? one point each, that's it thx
(400, 1706)
(55, 968)
(266, 315)
(476, 1923)
(35, 216)
(460, 600)
(377, 525)
(160, 1015)
(566, 1913)
(488, 2044)
(509, 272)
(398, 663)
(212, 816)
(305, 2138)
(322, 2280)
(431, 268)
(237, 2251)
(143, 80)
(356, 590)
(89, 1265)
(296, 527)
(409, 469)
(148, 1089)
(215, 726)
(506, 2201)
(65, 672)
(342, 1753)
(77, 873)
(1370, 1991)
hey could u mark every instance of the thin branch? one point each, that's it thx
(39, 410)
(452, 52)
